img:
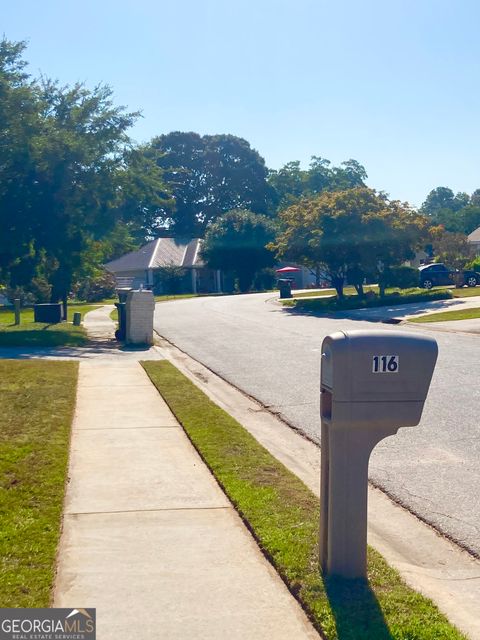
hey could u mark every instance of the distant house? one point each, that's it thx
(474, 240)
(141, 269)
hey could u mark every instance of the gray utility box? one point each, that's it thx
(140, 307)
(372, 383)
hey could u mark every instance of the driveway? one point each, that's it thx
(273, 354)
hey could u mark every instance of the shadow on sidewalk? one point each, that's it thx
(94, 348)
(357, 613)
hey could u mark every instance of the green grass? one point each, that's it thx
(283, 515)
(39, 334)
(393, 297)
(321, 293)
(37, 400)
(465, 292)
(178, 296)
(445, 316)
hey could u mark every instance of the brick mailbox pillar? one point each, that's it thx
(139, 316)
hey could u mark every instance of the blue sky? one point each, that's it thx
(391, 83)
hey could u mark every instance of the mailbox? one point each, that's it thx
(372, 383)
(376, 378)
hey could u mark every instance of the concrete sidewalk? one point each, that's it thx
(148, 537)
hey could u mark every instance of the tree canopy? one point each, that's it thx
(291, 182)
(457, 213)
(68, 175)
(237, 242)
(355, 232)
(208, 176)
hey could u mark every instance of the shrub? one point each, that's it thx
(401, 277)
(169, 280)
(474, 265)
(97, 288)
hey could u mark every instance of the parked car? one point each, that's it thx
(435, 275)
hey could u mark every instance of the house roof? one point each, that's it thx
(474, 236)
(162, 252)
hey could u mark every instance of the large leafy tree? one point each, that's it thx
(291, 182)
(19, 125)
(451, 248)
(456, 213)
(357, 232)
(208, 176)
(68, 175)
(443, 198)
(237, 242)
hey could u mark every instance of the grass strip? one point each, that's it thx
(445, 316)
(371, 300)
(457, 292)
(283, 515)
(37, 400)
(465, 292)
(322, 293)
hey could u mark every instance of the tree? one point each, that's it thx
(470, 217)
(237, 242)
(440, 198)
(458, 213)
(68, 176)
(19, 124)
(357, 232)
(291, 182)
(208, 176)
(451, 248)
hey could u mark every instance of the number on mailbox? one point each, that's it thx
(385, 364)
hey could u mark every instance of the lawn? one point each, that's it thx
(37, 400)
(283, 515)
(465, 292)
(39, 334)
(445, 316)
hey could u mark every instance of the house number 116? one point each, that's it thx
(385, 364)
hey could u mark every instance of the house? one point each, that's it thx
(142, 268)
(474, 240)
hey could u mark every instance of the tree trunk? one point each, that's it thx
(317, 276)
(359, 290)
(337, 282)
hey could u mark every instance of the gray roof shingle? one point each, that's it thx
(181, 252)
(475, 236)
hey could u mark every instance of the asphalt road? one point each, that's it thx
(273, 354)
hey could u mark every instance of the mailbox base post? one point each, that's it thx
(343, 498)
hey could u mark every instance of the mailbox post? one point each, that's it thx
(372, 383)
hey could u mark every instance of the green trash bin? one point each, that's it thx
(121, 332)
(285, 288)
